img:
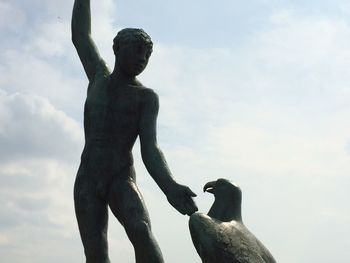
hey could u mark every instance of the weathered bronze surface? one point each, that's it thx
(118, 109)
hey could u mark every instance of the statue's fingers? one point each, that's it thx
(191, 206)
(190, 192)
(191, 211)
(181, 208)
(184, 210)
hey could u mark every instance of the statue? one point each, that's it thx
(118, 109)
(221, 235)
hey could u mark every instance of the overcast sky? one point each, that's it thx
(257, 92)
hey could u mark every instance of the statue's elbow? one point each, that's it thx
(74, 38)
(79, 38)
(149, 154)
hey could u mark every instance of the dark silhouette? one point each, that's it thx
(221, 235)
(118, 109)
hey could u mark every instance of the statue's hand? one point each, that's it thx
(180, 197)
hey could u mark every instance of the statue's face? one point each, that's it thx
(133, 58)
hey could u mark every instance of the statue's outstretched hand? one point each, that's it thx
(180, 197)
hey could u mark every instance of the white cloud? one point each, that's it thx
(39, 150)
(52, 40)
(27, 72)
(272, 115)
(32, 127)
(8, 11)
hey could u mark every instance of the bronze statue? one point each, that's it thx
(221, 235)
(118, 109)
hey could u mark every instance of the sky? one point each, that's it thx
(256, 92)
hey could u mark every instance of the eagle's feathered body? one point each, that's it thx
(221, 236)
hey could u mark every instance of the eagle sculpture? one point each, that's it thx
(221, 236)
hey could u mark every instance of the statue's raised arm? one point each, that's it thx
(81, 37)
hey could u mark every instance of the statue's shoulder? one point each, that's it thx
(149, 99)
(148, 94)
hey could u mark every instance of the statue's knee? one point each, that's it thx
(96, 257)
(139, 229)
(96, 253)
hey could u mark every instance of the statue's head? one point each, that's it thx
(129, 36)
(132, 48)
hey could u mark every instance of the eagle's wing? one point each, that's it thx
(224, 242)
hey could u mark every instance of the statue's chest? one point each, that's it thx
(123, 110)
(116, 112)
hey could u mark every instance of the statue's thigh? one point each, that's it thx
(92, 214)
(126, 202)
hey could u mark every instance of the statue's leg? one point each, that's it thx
(92, 215)
(128, 207)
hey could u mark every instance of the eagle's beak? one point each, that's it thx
(209, 187)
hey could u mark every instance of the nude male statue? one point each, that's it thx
(119, 108)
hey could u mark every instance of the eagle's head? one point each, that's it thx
(228, 200)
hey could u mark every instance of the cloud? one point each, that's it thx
(32, 127)
(270, 114)
(40, 147)
(7, 12)
(40, 57)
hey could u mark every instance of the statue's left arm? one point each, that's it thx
(179, 196)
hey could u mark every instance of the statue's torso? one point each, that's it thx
(111, 120)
